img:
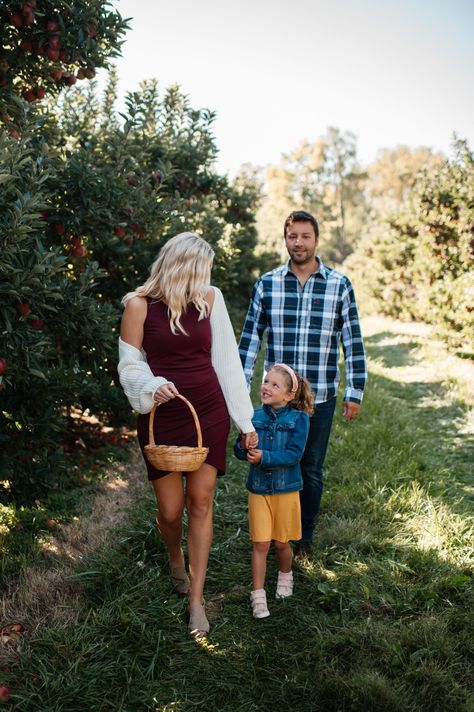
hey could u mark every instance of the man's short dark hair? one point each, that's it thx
(301, 216)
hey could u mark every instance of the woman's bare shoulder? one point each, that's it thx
(210, 296)
(136, 305)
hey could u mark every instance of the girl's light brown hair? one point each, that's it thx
(304, 396)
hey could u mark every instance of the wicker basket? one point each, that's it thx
(176, 458)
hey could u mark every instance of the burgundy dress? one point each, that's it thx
(186, 361)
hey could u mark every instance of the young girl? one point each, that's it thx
(274, 480)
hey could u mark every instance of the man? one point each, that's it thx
(307, 309)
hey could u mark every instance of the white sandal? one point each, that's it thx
(258, 601)
(284, 585)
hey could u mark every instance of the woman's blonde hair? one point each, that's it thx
(179, 276)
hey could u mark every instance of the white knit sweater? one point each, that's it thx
(140, 384)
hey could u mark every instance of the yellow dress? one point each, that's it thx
(274, 516)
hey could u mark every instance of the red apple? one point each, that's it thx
(4, 693)
(129, 240)
(14, 134)
(37, 323)
(80, 73)
(52, 26)
(28, 15)
(3, 366)
(92, 31)
(52, 54)
(58, 228)
(23, 309)
(16, 19)
(79, 251)
(119, 231)
(40, 92)
(51, 523)
(89, 72)
(28, 95)
(54, 42)
(17, 628)
(26, 45)
(71, 79)
(57, 75)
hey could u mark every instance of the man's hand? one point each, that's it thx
(350, 410)
(254, 456)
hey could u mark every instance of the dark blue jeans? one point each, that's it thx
(312, 465)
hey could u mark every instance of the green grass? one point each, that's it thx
(26, 529)
(382, 616)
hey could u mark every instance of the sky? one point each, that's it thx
(280, 71)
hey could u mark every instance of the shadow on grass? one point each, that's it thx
(389, 350)
(434, 425)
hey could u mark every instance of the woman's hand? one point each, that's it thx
(254, 456)
(249, 440)
(165, 393)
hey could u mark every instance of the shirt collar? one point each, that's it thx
(322, 269)
(272, 412)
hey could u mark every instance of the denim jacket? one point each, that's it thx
(282, 436)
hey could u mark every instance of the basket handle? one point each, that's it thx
(151, 436)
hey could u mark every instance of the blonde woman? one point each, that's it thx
(176, 337)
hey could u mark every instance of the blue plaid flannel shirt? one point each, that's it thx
(304, 327)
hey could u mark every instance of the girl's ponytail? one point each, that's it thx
(304, 396)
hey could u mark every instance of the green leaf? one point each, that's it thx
(37, 373)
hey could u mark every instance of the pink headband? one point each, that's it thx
(289, 370)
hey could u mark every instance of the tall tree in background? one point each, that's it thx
(417, 261)
(325, 179)
(392, 176)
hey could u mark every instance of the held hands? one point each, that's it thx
(254, 456)
(249, 440)
(165, 393)
(350, 410)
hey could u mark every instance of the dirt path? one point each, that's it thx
(43, 595)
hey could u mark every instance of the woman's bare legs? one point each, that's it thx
(169, 493)
(200, 487)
